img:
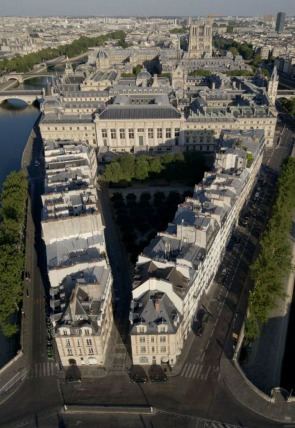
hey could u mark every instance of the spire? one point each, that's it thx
(274, 74)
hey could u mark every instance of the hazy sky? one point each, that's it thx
(145, 7)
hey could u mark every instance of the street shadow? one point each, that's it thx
(73, 373)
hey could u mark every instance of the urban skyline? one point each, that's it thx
(141, 7)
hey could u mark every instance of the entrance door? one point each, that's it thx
(140, 140)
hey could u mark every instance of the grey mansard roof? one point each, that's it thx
(142, 112)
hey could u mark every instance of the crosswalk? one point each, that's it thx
(212, 424)
(44, 369)
(200, 371)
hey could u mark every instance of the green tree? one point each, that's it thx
(141, 168)
(234, 51)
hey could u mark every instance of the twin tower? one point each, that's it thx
(200, 40)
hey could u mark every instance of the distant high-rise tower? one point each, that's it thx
(280, 22)
(200, 40)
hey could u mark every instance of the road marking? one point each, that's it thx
(190, 373)
(188, 370)
(199, 370)
(183, 370)
(207, 373)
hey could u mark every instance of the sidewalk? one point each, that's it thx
(265, 365)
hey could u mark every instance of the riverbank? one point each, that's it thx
(10, 347)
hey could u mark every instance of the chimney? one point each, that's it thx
(213, 85)
(157, 306)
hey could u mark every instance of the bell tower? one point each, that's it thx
(272, 86)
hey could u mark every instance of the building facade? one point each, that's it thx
(200, 40)
(176, 270)
(77, 264)
(280, 22)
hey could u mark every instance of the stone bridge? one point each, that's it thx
(28, 96)
(285, 93)
(21, 77)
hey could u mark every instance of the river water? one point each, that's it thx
(16, 122)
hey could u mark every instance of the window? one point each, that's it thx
(65, 332)
(159, 133)
(153, 349)
(141, 130)
(162, 348)
(168, 133)
(90, 351)
(162, 339)
(162, 329)
(78, 343)
(152, 339)
(142, 339)
(88, 342)
(68, 344)
(131, 134)
(86, 331)
(141, 329)
(113, 134)
(177, 131)
(150, 133)
(104, 133)
(70, 352)
(143, 349)
(122, 134)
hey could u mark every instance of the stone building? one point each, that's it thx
(176, 270)
(77, 264)
(200, 40)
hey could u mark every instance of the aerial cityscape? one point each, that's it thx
(147, 214)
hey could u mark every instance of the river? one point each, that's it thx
(16, 122)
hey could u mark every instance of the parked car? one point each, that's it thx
(137, 374)
(27, 276)
(139, 378)
(157, 374)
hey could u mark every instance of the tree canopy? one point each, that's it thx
(22, 64)
(12, 214)
(289, 105)
(243, 49)
(275, 258)
(185, 167)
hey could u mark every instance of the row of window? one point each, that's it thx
(85, 128)
(152, 339)
(77, 332)
(151, 133)
(194, 140)
(143, 349)
(90, 351)
(88, 343)
(143, 328)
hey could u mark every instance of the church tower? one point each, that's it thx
(200, 40)
(272, 86)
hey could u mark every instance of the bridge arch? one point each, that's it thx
(27, 100)
(19, 79)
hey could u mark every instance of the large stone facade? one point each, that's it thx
(200, 40)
